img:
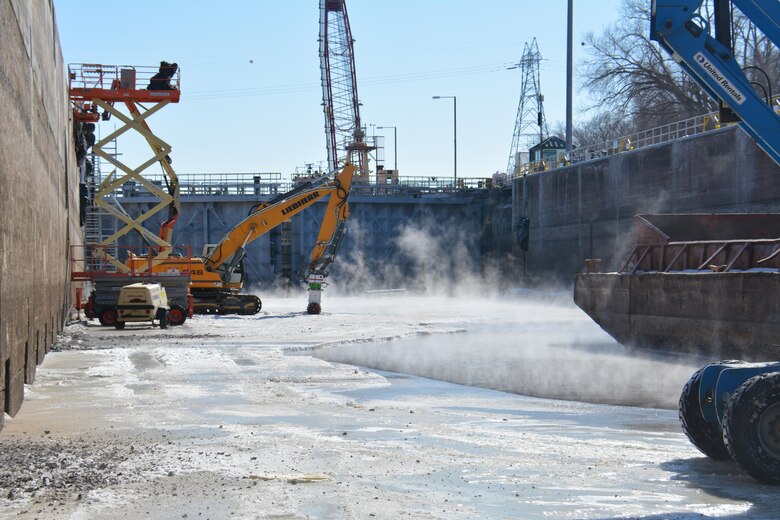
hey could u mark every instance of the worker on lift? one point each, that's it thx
(162, 80)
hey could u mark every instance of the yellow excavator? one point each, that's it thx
(217, 278)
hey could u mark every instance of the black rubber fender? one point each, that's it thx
(751, 427)
(707, 437)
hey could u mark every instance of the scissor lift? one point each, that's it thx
(95, 87)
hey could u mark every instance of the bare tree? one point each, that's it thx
(758, 56)
(602, 127)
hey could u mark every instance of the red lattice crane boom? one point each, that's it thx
(345, 136)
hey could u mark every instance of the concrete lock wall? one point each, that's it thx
(586, 210)
(38, 193)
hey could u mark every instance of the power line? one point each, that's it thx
(376, 80)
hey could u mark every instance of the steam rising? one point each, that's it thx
(486, 334)
(430, 257)
(538, 349)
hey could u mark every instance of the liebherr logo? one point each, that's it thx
(297, 204)
(718, 76)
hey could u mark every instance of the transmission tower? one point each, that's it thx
(345, 136)
(530, 124)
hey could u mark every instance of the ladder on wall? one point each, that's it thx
(99, 223)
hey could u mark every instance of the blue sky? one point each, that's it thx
(251, 96)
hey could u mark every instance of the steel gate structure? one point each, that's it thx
(378, 219)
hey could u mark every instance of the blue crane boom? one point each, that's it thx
(678, 27)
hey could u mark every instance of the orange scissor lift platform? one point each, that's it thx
(97, 92)
(111, 83)
(94, 87)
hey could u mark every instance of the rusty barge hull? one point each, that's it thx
(718, 315)
(695, 284)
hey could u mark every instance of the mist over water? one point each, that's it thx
(531, 342)
(525, 345)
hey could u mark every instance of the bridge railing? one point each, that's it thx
(414, 185)
(270, 184)
(231, 184)
(213, 184)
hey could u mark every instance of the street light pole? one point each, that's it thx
(569, 78)
(395, 144)
(454, 131)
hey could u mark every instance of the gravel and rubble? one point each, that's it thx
(48, 469)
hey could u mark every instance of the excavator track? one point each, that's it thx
(222, 303)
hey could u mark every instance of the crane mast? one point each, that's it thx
(344, 133)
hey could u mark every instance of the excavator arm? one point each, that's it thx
(681, 31)
(331, 229)
(226, 255)
(328, 240)
(214, 289)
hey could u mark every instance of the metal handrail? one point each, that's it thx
(661, 134)
(719, 256)
(627, 143)
(95, 76)
(270, 184)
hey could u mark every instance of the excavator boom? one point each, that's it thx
(216, 280)
(267, 216)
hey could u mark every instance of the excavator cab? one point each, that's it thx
(237, 274)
